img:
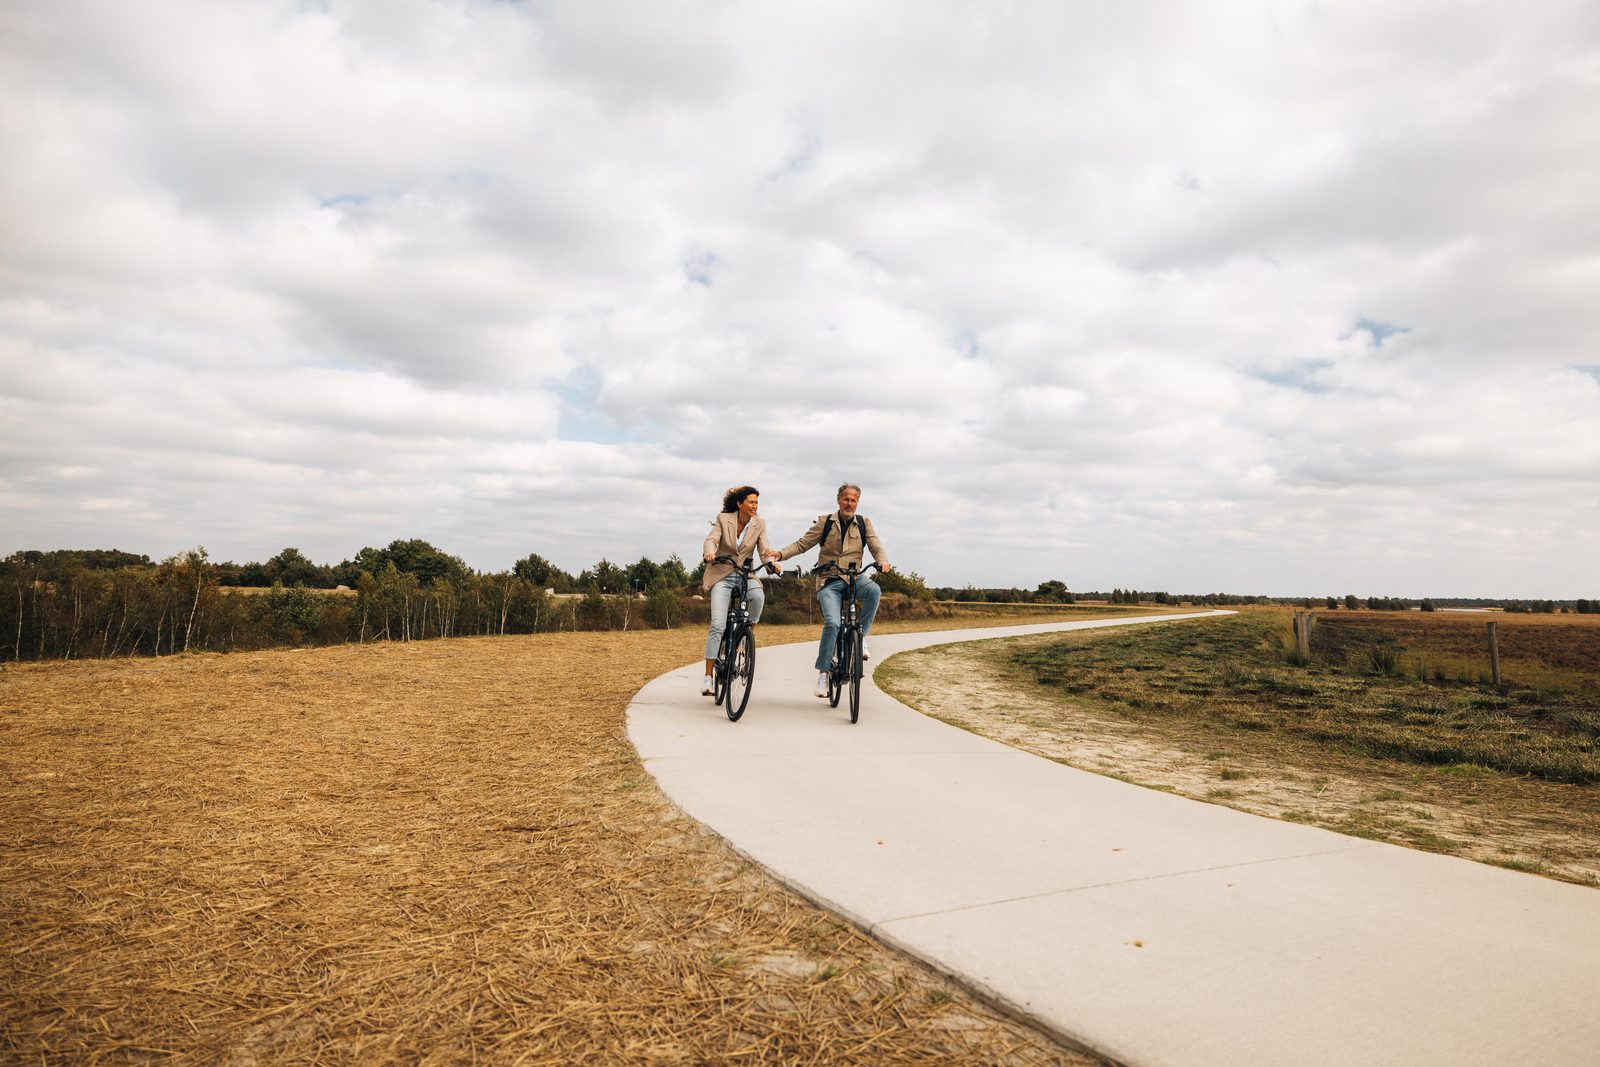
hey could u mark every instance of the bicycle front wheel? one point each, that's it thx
(840, 675)
(855, 679)
(741, 673)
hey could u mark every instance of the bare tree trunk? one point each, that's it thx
(77, 619)
(199, 581)
(122, 627)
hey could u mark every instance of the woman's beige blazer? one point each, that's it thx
(723, 540)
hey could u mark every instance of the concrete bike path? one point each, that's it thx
(1149, 928)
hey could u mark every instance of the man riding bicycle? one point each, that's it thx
(843, 536)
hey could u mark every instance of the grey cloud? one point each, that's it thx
(1076, 292)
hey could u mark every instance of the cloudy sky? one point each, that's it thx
(1270, 297)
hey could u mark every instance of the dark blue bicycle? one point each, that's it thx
(735, 666)
(845, 671)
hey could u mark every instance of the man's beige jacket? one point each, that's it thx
(723, 540)
(844, 545)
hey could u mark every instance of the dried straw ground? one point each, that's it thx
(442, 852)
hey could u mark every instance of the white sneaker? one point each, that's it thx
(866, 649)
(709, 688)
(822, 684)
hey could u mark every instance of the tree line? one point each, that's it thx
(107, 603)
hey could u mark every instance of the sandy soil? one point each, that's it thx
(1528, 824)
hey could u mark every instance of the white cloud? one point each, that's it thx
(1095, 294)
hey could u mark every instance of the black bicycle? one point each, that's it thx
(845, 671)
(735, 666)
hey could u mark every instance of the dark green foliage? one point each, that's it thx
(295, 611)
(50, 565)
(908, 582)
(638, 577)
(429, 564)
(1054, 591)
(664, 606)
(291, 567)
(544, 574)
(603, 577)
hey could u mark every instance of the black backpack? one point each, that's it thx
(860, 524)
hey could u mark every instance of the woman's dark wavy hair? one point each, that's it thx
(735, 496)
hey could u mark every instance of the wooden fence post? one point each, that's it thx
(1494, 654)
(1302, 634)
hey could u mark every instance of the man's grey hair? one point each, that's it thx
(847, 485)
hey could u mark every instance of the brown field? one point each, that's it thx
(1535, 650)
(436, 852)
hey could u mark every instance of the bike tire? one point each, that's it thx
(855, 679)
(741, 673)
(840, 672)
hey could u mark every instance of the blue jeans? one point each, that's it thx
(721, 597)
(831, 597)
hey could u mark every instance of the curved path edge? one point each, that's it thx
(1145, 927)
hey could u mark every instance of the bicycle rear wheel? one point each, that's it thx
(840, 674)
(741, 672)
(855, 679)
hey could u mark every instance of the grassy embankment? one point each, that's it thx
(1388, 733)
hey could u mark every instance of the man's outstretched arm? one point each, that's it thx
(807, 542)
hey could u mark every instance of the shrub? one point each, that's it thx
(1384, 660)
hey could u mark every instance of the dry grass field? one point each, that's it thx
(1536, 651)
(438, 852)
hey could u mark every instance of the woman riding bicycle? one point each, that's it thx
(738, 533)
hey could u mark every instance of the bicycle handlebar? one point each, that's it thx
(852, 572)
(746, 569)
